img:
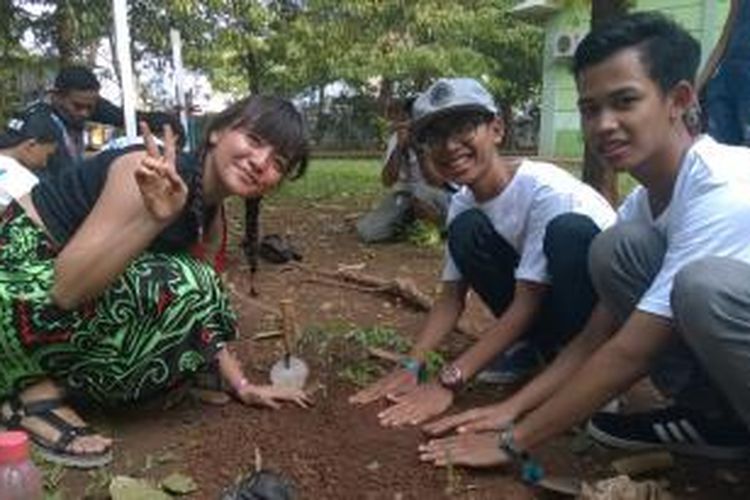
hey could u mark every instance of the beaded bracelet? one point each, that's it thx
(413, 366)
(243, 382)
(531, 471)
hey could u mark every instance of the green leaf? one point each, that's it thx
(179, 484)
(129, 488)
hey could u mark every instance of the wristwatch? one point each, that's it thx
(451, 377)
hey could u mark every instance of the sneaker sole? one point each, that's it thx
(706, 451)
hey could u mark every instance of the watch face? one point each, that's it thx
(451, 376)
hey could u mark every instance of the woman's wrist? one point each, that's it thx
(240, 385)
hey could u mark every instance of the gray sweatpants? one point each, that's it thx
(706, 365)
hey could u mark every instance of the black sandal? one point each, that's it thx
(53, 451)
(209, 386)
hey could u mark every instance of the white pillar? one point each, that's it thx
(122, 37)
(179, 77)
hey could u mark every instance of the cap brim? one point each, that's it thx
(421, 123)
(9, 140)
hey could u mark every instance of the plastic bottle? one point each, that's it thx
(19, 477)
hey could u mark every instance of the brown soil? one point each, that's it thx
(335, 450)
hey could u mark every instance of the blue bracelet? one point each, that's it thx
(411, 365)
(531, 471)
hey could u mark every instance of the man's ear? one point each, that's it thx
(497, 126)
(683, 97)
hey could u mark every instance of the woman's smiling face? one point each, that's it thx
(246, 165)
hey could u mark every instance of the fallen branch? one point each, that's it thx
(401, 288)
(644, 463)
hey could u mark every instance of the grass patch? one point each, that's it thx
(335, 179)
(332, 179)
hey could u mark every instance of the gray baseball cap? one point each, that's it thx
(451, 94)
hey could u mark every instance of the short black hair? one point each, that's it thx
(667, 51)
(408, 105)
(76, 78)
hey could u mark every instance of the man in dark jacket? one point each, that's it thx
(73, 101)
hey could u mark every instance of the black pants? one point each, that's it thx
(488, 263)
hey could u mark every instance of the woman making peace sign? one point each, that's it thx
(106, 291)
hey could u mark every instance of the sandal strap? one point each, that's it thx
(41, 406)
(43, 409)
(68, 432)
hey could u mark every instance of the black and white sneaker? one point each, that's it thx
(674, 429)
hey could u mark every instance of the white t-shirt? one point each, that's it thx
(537, 193)
(709, 214)
(15, 180)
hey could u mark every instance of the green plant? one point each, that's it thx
(99, 480)
(382, 337)
(52, 475)
(434, 361)
(362, 373)
(423, 234)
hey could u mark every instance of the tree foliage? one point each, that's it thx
(383, 47)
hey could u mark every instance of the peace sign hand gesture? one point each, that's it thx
(163, 190)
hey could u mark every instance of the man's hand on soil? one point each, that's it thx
(396, 383)
(270, 396)
(471, 450)
(413, 408)
(486, 418)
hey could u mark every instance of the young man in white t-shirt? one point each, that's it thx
(518, 236)
(25, 147)
(673, 275)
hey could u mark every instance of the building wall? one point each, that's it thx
(560, 131)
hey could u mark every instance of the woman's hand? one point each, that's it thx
(163, 190)
(270, 396)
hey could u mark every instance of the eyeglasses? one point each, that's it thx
(458, 127)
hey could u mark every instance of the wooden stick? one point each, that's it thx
(287, 325)
(384, 354)
(402, 288)
(269, 334)
(645, 462)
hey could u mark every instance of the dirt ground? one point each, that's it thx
(336, 451)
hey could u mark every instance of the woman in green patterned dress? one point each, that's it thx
(107, 289)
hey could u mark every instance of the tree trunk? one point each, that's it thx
(320, 124)
(65, 33)
(385, 96)
(603, 178)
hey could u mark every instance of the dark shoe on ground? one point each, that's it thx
(13, 413)
(675, 429)
(517, 363)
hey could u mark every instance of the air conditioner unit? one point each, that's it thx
(565, 43)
